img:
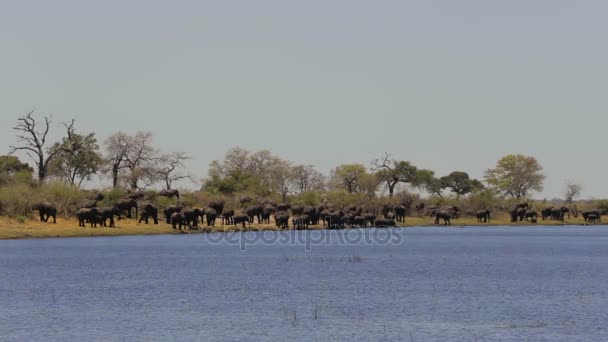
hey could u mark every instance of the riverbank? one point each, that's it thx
(32, 229)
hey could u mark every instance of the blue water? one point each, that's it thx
(429, 284)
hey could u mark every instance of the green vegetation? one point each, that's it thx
(131, 163)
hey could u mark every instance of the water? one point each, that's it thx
(458, 284)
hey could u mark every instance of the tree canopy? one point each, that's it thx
(516, 176)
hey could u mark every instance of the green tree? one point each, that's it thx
(460, 183)
(348, 176)
(392, 172)
(78, 159)
(12, 169)
(516, 175)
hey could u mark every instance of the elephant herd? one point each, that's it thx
(284, 215)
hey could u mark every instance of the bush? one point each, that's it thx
(17, 200)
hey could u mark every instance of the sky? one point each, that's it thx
(447, 85)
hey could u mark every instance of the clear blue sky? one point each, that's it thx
(448, 85)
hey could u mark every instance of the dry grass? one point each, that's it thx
(12, 229)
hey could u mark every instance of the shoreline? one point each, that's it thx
(31, 229)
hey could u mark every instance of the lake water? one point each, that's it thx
(427, 284)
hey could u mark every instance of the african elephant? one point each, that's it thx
(297, 210)
(241, 219)
(267, 212)
(46, 210)
(518, 214)
(370, 219)
(301, 222)
(106, 213)
(169, 193)
(283, 207)
(592, 213)
(281, 219)
(312, 214)
(191, 216)
(253, 212)
(546, 213)
(170, 210)
(558, 214)
(90, 215)
(483, 216)
(211, 215)
(445, 216)
(177, 220)
(127, 205)
(228, 217)
(400, 212)
(531, 215)
(92, 203)
(384, 223)
(149, 211)
(218, 206)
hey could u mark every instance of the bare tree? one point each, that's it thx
(306, 178)
(117, 147)
(140, 161)
(32, 136)
(171, 164)
(573, 190)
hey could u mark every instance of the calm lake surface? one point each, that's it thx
(429, 284)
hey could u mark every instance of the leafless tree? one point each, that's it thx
(32, 136)
(171, 164)
(573, 190)
(117, 147)
(141, 161)
(306, 178)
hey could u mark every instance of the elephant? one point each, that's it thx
(241, 219)
(281, 219)
(531, 215)
(518, 214)
(524, 205)
(136, 195)
(483, 216)
(149, 211)
(546, 213)
(297, 210)
(245, 200)
(384, 223)
(211, 215)
(359, 221)
(169, 193)
(93, 202)
(106, 213)
(333, 219)
(46, 211)
(90, 215)
(370, 219)
(386, 209)
(191, 216)
(253, 212)
(170, 210)
(312, 214)
(400, 212)
(267, 212)
(592, 213)
(445, 216)
(177, 220)
(127, 205)
(301, 222)
(593, 218)
(228, 217)
(283, 207)
(218, 206)
(558, 214)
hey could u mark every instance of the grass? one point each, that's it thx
(21, 228)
